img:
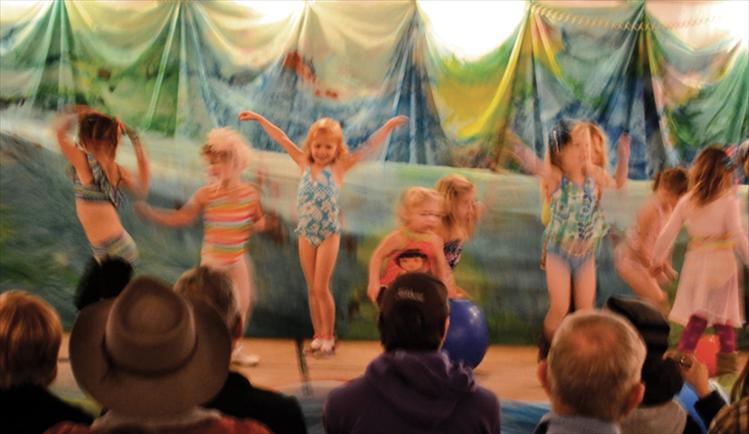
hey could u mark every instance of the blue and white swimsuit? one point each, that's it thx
(317, 206)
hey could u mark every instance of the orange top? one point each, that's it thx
(227, 224)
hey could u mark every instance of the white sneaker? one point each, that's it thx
(240, 358)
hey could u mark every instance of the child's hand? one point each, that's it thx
(141, 209)
(670, 273)
(396, 122)
(525, 158)
(132, 135)
(656, 269)
(623, 149)
(249, 116)
(373, 290)
(64, 122)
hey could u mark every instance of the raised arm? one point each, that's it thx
(622, 160)
(550, 175)
(75, 156)
(386, 247)
(374, 142)
(277, 135)
(184, 216)
(139, 188)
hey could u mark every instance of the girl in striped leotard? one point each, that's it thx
(231, 211)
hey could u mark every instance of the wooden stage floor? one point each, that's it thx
(508, 371)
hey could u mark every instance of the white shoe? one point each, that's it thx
(315, 344)
(327, 346)
(240, 358)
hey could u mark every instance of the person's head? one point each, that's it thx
(213, 287)
(598, 151)
(105, 279)
(671, 184)
(593, 368)
(99, 133)
(149, 353)
(459, 203)
(30, 336)
(662, 376)
(324, 143)
(569, 145)
(411, 259)
(711, 175)
(414, 313)
(420, 209)
(226, 152)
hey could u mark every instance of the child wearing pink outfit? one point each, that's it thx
(633, 257)
(708, 292)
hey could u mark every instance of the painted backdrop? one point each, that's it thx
(177, 69)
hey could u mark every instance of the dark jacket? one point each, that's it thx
(33, 409)
(241, 399)
(415, 393)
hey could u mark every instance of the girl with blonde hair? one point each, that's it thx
(324, 161)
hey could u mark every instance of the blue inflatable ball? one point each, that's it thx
(687, 398)
(468, 334)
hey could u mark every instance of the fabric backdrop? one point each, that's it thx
(177, 69)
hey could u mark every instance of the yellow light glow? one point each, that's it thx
(733, 17)
(273, 10)
(472, 28)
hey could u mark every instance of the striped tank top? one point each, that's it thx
(227, 224)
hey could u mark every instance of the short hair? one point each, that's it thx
(674, 180)
(414, 197)
(30, 336)
(416, 320)
(325, 126)
(227, 143)
(594, 362)
(213, 287)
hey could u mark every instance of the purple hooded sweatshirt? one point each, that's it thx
(412, 392)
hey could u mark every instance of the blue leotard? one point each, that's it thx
(317, 206)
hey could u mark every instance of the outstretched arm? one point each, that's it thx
(622, 160)
(173, 218)
(75, 156)
(383, 250)
(139, 188)
(374, 142)
(276, 134)
(668, 235)
(527, 159)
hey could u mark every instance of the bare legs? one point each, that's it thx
(318, 264)
(639, 279)
(558, 284)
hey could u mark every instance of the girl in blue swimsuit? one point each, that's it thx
(323, 161)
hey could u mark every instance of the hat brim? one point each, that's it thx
(136, 395)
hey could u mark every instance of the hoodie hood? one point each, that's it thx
(423, 387)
